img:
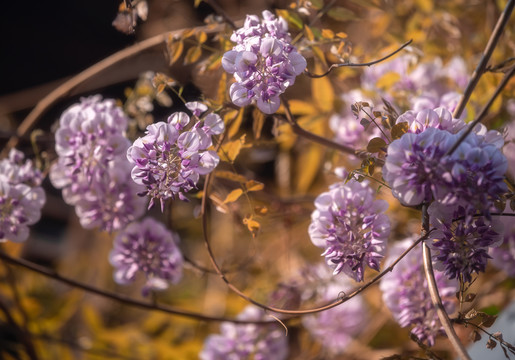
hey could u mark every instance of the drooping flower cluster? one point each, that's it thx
(21, 196)
(92, 169)
(264, 62)
(147, 247)
(404, 82)
(170, 158)
(351, 226)
(461, 186)
(406, 294)
(503, 257)
(335, 328)
(247, 341)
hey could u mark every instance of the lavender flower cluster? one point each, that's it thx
(417, 86)
(147, 247)
(460, 186)
(406, 294)
(247, 341)
(91, 169)
(334, 328)
(21, 196)
(351, 226)
(264, 62)
(170, 158)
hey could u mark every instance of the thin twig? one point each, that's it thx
(435, 296)
(313, 137)
(348, 64)
(483, 112)
(66, 88)
(118, 297)
(481, 67)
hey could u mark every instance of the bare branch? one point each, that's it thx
(348, 64)
(481, 67)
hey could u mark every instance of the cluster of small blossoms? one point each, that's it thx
(169, 160)
(264, 62)
(21, 196)
(247, 341)
(503, 257)
(351, 226)
(418, 87)
(91, 169)
(335, 328)
(461, 185)
(147, 247)
(406, 294)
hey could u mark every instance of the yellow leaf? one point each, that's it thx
(309, 33)
(291, 17)
(328, 33)
(202, 37)
(388, 80)
(322, 91)
(425, 5)
(175, 49)
(308, 166)
(236, 117)
(299, 107)
(92, 318)
(221, 95)
(229, 175)
(233, 196)
(253, 185)
(258, 122)
(341, 35)
(192, 55)
(231, 149)
(252, 225)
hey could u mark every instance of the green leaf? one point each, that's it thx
(340, 13)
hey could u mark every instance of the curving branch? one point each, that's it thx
(487, 53)
(435, 296)
(118, 297)
(64, 89)
(349, 64)
(240, 293)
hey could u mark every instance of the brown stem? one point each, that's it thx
(484, 111)
(435, 296)
(221, 12)
(348, 64)
(481, 67)
(117, 297)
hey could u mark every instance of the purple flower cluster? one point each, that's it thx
(170, 158)
(249, 341)
(147, 247)
(418, 169)
(503, 257)
(350, 225)
(21, 196)
(462, 186)
(335, 328)
(92, 169)
(264, 62)
(406, 294)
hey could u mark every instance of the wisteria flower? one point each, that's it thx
(264, 62)
(406, 294)
(21, 196)
(418, 169)
(351, 226)
(170, 159)
(247, 341)
(147, 247)
(335, 328)
(92, 169)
